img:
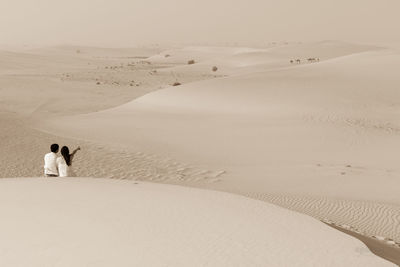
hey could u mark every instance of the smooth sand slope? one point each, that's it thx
(327, 131)
(97, 222)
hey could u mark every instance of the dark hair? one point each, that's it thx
(54, 148)
(66, 155)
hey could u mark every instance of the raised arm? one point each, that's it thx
(74, 152)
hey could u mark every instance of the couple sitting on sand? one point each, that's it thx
(59, 166)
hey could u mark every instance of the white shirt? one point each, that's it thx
(50, 164)
(62, 167)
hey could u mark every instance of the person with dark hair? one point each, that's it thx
(64, 163)
(50, 162)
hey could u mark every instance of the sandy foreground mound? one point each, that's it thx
(96, 222)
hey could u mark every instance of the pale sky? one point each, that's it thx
(132, 22)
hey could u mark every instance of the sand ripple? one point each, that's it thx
(94, 160)
(372, 219)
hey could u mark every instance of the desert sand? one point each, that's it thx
(319, 137)
(122, 223)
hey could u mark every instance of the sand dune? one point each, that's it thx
(97, 52)
(53, 81)
(319, 138)
(238, 60)
(326, 129)
(53, 222)
(22, 151)
(373, 219)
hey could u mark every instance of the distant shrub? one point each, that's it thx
(214, 69)
(176, 84)
(190, 62)
(78, 51)
(167, 55)
(98, 83)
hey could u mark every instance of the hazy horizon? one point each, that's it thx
(128, 23)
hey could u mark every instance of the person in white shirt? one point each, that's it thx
(50, 162)
(64, 163)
